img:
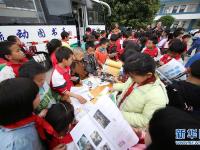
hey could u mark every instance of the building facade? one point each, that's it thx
(186, 12)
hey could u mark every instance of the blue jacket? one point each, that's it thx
(195, 45)
(23, 138)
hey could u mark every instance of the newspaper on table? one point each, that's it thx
(104, 128)
(81, 109)
(93, 82)
(171, 71)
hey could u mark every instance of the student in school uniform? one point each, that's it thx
(61, 117)
(61, 76)
(12, 53)
(151, 49)
(19, 96)
(176, 49)
(143, 93)
(52, 46)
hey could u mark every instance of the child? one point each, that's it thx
(176, 48)
(37, 73)
(101, 52)
(51, 47)
(78, 67)
(61, 116)
(65, 39)
(143, 93)
(19, 96)
(185, 94)
(13, 54)
(103, 34)
(151, 48)
(91, 64)
(60, 79)
(170, 122)
(186, 38)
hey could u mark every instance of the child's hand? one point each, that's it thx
(43, 113)
(60, 147)
(111, 90)
(81, 99)
(66, 98)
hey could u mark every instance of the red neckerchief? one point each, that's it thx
(152, 52)
(131, 88)
(166, 58)
(16, 66)
(43, 127)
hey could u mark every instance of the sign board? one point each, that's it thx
(38, 33)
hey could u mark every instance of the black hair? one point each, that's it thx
(63, 53)
(103, 31)
(60, 116)
(95, 34)
(195, 69)
(31, 69)
(12, 38)
(64, 34)
(163, 126)
(128, 34)
(129, 44)
(5, 48)
(114, 37)
(128, 53)
(178, 32)
(88, 29)
(186, 36)
(154, 39)
(89, 44)
(177, 46)
(139, 64)
(16, 101)
(53, 45)
(113, 25)
(103, 41)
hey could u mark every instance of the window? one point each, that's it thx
(182, 8)
(175, 9)
(192, 7)
(95, 13)
(27, 4)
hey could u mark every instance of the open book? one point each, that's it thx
(104, 128)
(112, 67)
(173, 70)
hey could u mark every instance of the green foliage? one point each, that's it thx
(167, 20)
(135, 13)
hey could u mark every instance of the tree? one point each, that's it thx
(135, 13)
(167, 20)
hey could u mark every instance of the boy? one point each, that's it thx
(101, 52)
(65, 39)
(13, 54)
(151, 48)
(60, 79)
(176, 48)
(90, 60)
(103, 34)
(37, 73)
(186, 38)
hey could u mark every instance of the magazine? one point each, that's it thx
(173, 70)
(104, 128)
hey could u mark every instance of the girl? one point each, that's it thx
(19, 97)
(143, 93)
(61, 116)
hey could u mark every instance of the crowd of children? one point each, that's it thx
(35, 106)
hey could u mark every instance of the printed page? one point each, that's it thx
(109, 119)
(87, 136)
(83, 91)
(173, 70)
